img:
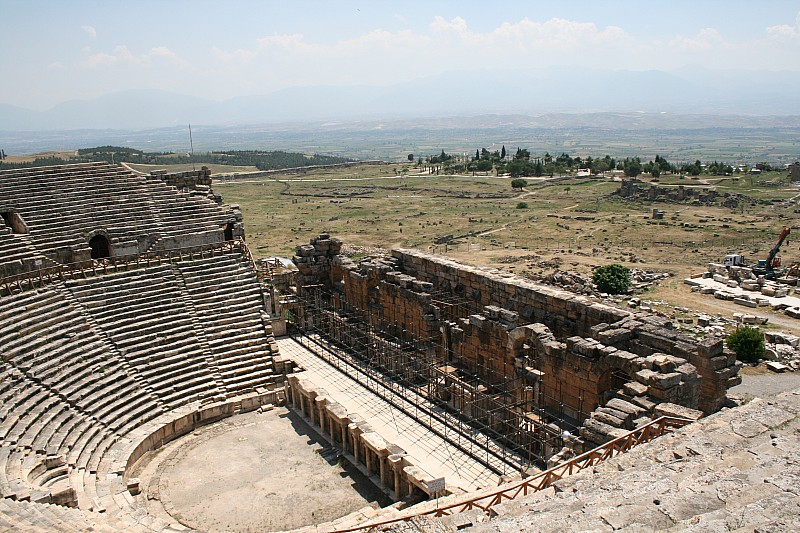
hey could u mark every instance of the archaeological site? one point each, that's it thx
(157, 377)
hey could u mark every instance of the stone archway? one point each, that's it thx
(228, 231)
(611, 381)
(100, 246)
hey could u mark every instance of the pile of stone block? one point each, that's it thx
(783, 348)
(313, 260)
(743, 277)
(199, 180)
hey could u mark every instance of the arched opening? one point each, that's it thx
(229, 231)
(100, 247)
(14, 221)
(610, 382)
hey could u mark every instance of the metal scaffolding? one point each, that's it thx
(492, 412)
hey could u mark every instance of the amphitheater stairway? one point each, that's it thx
(148, 321)
(66, 396)
(227, 299)
(180, 213)
(17, 253)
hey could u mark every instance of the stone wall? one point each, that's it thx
(634, 189)
(573, 355)
(567, 315)
(185, 180)
(794, 172)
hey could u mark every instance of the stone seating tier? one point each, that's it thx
(235, 330)
(89, 362)
(157, 338)
(63, 205)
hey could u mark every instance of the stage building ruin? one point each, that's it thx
(521, 362)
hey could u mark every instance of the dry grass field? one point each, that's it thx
(575, 222)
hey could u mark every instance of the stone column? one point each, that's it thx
(319, 403)
(382, 469)
(396, 462)
(368, 460)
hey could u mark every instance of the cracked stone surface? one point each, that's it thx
(737, 470)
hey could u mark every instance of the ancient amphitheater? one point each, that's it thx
(136, 326)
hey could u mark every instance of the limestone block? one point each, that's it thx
(665, 381)
(710, 347)
(305, 250)
(633, 388)
(688, 371)
(614, 336)
(607, 417)
(598, 432)
(678, 411)
(645, 376)
(626, 407)
(478, 321)
(745, 302)
(644, 402)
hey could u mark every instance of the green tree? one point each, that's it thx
(613, 279)
(503, 152)
(632, 167)
(484, 165)
(518, 183)
(747, 342)
(411, 157)
(599, 166)
(522, 154)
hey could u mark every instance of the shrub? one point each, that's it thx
(522, 205)
(747, 342)
(613, 279)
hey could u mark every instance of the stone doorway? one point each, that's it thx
(100, 246)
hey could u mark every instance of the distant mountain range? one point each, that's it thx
(463, 93)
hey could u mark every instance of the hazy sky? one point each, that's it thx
(61, 50)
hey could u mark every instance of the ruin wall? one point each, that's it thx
(567, 315)
(606, 369)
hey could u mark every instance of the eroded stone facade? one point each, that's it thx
(570, 359)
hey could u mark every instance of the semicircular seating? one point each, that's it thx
(97, 371)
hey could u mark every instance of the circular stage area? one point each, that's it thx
(253, 472)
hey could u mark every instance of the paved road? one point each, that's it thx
(766, 385)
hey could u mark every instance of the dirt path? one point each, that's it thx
(137, 172)
(524, 194)
(764, 384)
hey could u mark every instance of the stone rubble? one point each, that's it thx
(760, 292)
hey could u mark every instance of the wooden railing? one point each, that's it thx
(485, 500)
(95, 267)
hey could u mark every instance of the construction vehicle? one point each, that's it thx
(733, 260)
(766, 267)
